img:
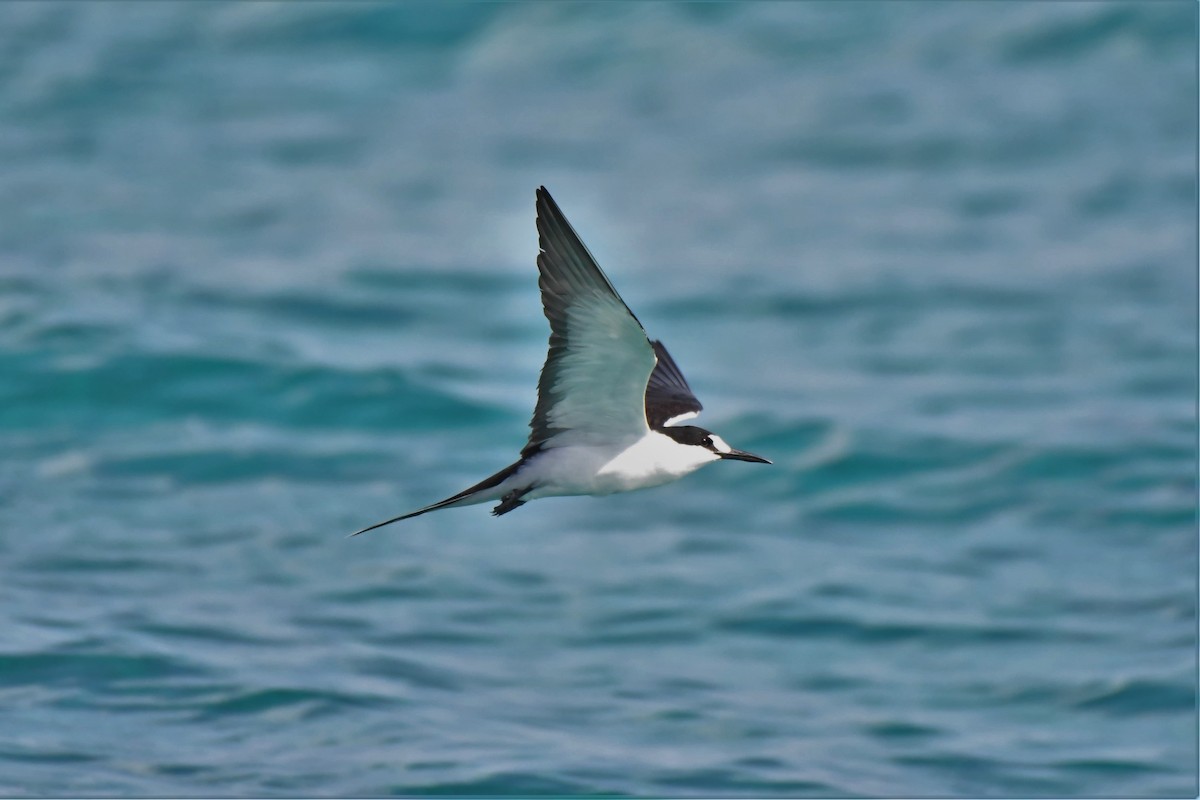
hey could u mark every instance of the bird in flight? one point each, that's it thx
(609, 399)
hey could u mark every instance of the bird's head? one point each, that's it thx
(694, 436)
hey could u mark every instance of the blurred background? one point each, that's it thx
(267, 276)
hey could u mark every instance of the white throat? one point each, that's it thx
(652, 460)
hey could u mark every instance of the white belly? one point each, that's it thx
(584, 469)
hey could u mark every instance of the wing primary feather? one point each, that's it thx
(599, 359)
(668, 396)
(559, 241)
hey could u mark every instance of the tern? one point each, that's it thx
(609, 399)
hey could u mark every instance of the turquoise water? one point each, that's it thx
(267, 276)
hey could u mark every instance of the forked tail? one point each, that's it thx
(465, 497)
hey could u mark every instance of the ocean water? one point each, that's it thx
(267, 276)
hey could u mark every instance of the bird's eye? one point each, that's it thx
(707, 441)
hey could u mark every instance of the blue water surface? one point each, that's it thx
(267, 276)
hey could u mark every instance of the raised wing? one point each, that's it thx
(593, 384)
(669, 399)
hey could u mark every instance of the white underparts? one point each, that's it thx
(578, 469)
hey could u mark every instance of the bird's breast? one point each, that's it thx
(589, 469)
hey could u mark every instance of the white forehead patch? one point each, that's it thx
(720, 445)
